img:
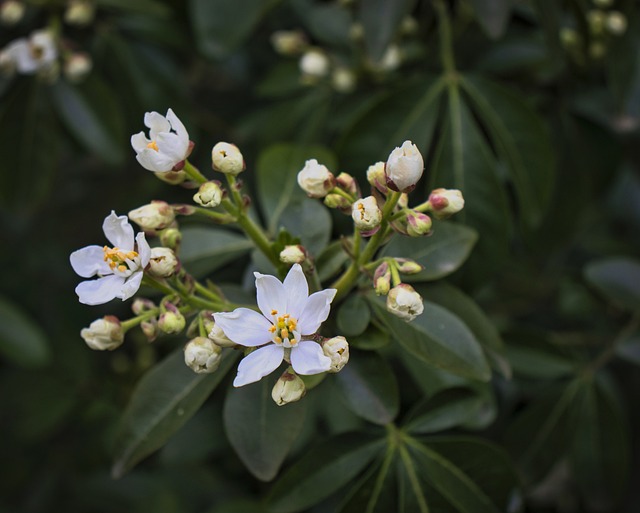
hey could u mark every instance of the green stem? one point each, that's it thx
(134, 321)
(193, 172)
(217, 217)
(207, 292)
(344, 194)
(395, 275)
(446, 40)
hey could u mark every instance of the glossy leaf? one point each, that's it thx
(492, 15)
(331, 260)
(380, 20)
(327, 21)
(203, 250)
(629, 349)
(164, 399)
(353, 316)
(618, 280)
(22, 340)
(261, 432)
(373, 338)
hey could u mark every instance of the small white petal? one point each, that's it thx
(89, 261)
(308, 358)
(244, 327)
(179, 128)
(315, 311)
(296, 289)
(270, 295)
(118, 231)
(139, 141)
(258, 364)
(102, 290)
(157, 123)
(170, 146)
(130, 286)
(143, 250)
(155, 161)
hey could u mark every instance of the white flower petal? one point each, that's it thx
(296, 289)
(139, 141)
(157, 123)
(89, 261)
(118, 231)
(102, 290)
(315, 311)
(143, 250)
(259, 363)
(170, 146)
(20, 51)
(270, 295)
(130, 286)
(179, 129)
(244, 327)
(154, 161)
(308, 358)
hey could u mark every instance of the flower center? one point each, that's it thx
(284, 329)
(153, 145)
(119, 260)
(37, 51)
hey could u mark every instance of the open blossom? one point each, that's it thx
(119, 268)
(33, 54)
(167, 147)
(289, 314)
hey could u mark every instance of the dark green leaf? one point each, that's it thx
(372, 338)
(331, 260)
(328, 22)
(380, 20)
(310, 220)
(164, 399)
(22, 341)
(629, 349)
(353, 316)
(492, 15)
(148, 7)
(261, 432)
(618, 279)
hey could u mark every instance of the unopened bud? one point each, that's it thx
(79, 12)
(171, 321)
(103, 334)
(154, 216)
(77, 67)
(141, 305)
(315, 179)
(150, 329)
(163, 262)
(418, 224)
(11, 12)
(314, 63)
(596, 20)
(390, 60)
(288, 42)
(445, 202)
(404, 302)
(201, 355)
(570, 38)
(404, 167)
(171, 238)
(406, 266)
(366, 214)
(288, 389)
(336, 348)
(382, 279)
(172, 177)
(226, 158)
(209, 194)
(409, 26)
(377, 177)
(293, 254)
(338, 201)
(343, 80)
(616, 23)
(356, 32)
(347, 183)
(217, 335)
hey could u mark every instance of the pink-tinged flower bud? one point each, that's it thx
(288, 389)
(314, 64)
(217, 335)
(315, 179)
(336, 348)
(293, 254)
(11, 12)
(288, 42)
(209, 195)
(337, 201)
(150, 329)
(347, 183)
(404, 167)
(377, 177)
(616, 23)
(171, 238)
(366, 214)
(202, 356)
(445, 202)
(141, 305)
(103, 334)
(226, 158)
(77, 67)
(382, 279)
(418, 224)
(163, 262)
(154, 216)
(406, 266)
(404, 302)
(171, 321)
(79, 12)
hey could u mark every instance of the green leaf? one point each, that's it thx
(22, 341)
(323, 470)
(147, 7)
(380, 20)
(628, 349)
(353, 316)
(617, 279)
(521, 140)
(370, 388)
(205, 249)
(261, 432)
(310, 220)
(331, 260)
(328, 22)
(220, 26)
(493, 16)
(373, 338)
(441, 254)
(439, 338)
(164, 399)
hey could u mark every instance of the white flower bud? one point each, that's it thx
(163, 262)
(366, 214)
(209, 194)
(314, 63)
(217, 335)
(343, 80)
(390, 60)
(347, 183)
(150, 329)
(445, 202)
(141, 305)
(293, 254)
(337, 201)
(171, 238)
(202, 356)
(404, 302)
(226, 158)
(377, 177)
(154, 216)
(382, 279)
(77, 67)
(616, 23)
(404, 167)
(336, 348)
(418, 224)
(103, 334)
(406, 266)
(288, 42)
(79, 12)
(11, 12)
(171, 321)
(288, 389)
(315, 179)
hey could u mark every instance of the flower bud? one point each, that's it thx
(172, 177)
(570, 38)
(226, 158)
(163, 262)
(356, 32)
(336, 348)
(141, 305)
(79, 12)
(315, 179)
(294, 254)
(377, 177)
(603, 4)
(597, 50)
(596, 20)
(445, 202)
(382, 279)
(11, 12)
(390, 60)
(404, 167)
(406, 266)
(150, 329)
(337, 201)
(171, 238)
(103, 334)
(343, 80)
(171, 321)
(202, 356)
(616, 23)
(404, 302)
(154, 216)
(418, 224)
(409, 26)
(77, 67)
(288, 42)
(314, 63)
(366, 214)
(347, 183)
(288, 389)
(217, 335)
(209, 194)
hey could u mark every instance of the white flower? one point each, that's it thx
(315, 179)
(336, 348)
(103, 334)
(77, 67)
(168, 145)
(119, 268)
(289, 314)
(404, 302)
(163, 262)
(366, 214)
(33, 54)
(404, 167)
(11, 12)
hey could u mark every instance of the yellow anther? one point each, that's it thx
(293, 341)
(286, 316)
(277, 340)
(122, 268)
(281, 324)
(152, 145)
(272, 329)
(274, 312)
(284, 333)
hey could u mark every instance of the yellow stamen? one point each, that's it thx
(278, 340)
(293, 341)
(122, 268)
(274, 312)
(273, 329)
(153, 145)
(284, 333)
